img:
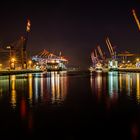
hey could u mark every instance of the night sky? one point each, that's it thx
(73, 27)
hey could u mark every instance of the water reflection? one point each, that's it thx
(36, 88)
(30, 79)
(117, 83)
(96, 82)
(113, 84)
(105, 86)
(23, 92)
(4, 85)
(31, 89)
(138, 87)
(51, 87)
(57, 86)
(129, 83)
(31, 98)
(100, 82)
(13, 91)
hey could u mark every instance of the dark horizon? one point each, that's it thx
(72, 27)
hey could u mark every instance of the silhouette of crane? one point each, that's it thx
(18, 48)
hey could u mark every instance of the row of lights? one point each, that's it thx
(13, 61)
(137, 60)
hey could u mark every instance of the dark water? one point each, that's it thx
(70, 106)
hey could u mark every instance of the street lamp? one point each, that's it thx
(137, 59)
(0, 66)
(12, 63)
(9, 47)
(29, 63)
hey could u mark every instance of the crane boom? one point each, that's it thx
(100, 52)
(112, 51)
(96, 55)
(109, 48)
(92, 56)
(136, 18)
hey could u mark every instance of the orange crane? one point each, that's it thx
(136, 18)
(28, 27)
(109, 45)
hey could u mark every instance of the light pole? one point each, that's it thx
(12, 63)
(137, 60)
(29, 64)
(9, 47)
(0, 66)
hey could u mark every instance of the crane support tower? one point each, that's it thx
(24, 48)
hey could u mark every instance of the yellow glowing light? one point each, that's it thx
(30, 78)
(28, 28)
(13, 60)
(137, 59)
(30, 62)
(57, 61)
(56, 67)
(13, 91)
(52, 61)
(120, 80)
(8, 47)
(13, 77)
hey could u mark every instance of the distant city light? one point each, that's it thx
(137, 59)
(12, 59)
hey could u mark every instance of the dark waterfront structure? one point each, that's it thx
(70, 105)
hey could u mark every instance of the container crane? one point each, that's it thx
(94, 57)
(109, 45)
(136, 18)
(96, 54)
(112, 64)
(25, 40)
(100, 52)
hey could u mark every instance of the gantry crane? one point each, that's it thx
(100, 52)
(110, 48)
(136, 18)
(94, 57)
(113, 63)
(25, 39)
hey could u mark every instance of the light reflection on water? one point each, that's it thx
(57, 99)
(115, 83)
(57, 86)
(34, 88)
(138, 87)
(30, 79)
(130, 84)
(13, 91)
(52, 87)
